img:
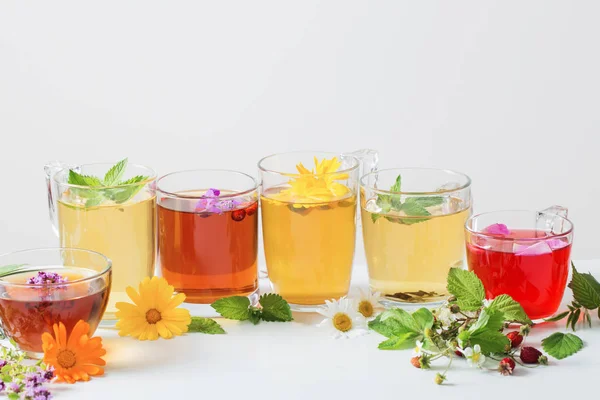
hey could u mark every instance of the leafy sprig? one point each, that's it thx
(586, 295)
(467, 324)
(414, 208)
(273, 308)
(205, 325)
(111, 187)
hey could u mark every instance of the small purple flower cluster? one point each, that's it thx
(211, 203)
(31, 385)
(44, 278)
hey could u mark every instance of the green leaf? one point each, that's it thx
(424, 318)
(12, 269)
(489, 320)
(254, 315)
(205, 325)
(83, 180)
(113, 176)
(405, 341)
(387, 328)
(123, 193)
(557, 317)
(467, 288)
(414, 209)
(490, 341)
(275, 308)
(397, 186)
(375, 217)
(575, 319)
(464, 336)
(513, 311)
(428, 201)
(407, 323)
(235, 307)
(584, 289)
(560, 345)
(94, 201)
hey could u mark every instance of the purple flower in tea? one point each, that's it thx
(497, 229)
(211, 203)
(45, 278)
(212, 193)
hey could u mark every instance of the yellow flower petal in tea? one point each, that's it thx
(154, 313)
(315, 186)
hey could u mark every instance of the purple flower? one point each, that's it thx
(2, 386)
(49, 374)
(212, 193)
(33, 379)
(3, 363)
(41, 393)
(44, 278)
(14, 387)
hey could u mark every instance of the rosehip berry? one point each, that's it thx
(531, 355)
(252, 209)
(507, 366)
(416, 362)
(515, 339)
(238, 215)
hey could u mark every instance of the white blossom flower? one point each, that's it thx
(368, 302)
(418, 350)
(342, 318)
(445, 316)
(474, 356)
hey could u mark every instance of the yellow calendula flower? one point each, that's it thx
(317, 185)
(154, 312)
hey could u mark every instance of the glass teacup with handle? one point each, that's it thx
(109, 209)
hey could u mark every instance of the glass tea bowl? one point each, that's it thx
(42, 287)
(524, 254)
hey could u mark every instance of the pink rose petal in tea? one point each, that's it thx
(497, 229)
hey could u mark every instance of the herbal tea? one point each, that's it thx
(124, 232)
(409, 256)
(309, 247)
(27, 312)
(208, 251)
(533, 272)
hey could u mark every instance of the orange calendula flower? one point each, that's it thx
(316, 186)
(154, 312)
(76, 358)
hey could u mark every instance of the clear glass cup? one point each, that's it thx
(309, 223)
(208, 234)
(118, 221)
(28, 310)
(412, 222)
(524, 254)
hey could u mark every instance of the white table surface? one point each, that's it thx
(298, 360)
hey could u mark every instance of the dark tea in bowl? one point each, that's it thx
(524, 254)
(42, 287)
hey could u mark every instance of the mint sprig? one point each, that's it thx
(412, 207)
(273, 308)
(111, 187)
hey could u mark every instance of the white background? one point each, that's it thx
(505, 91)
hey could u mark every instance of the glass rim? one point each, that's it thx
(255, 187)
(292, 174)
(466, 185)
(96, 275)
(150, 178)
(498, 237)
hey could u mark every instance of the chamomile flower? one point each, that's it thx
(342, 318)
(368, 303)
(474, 356)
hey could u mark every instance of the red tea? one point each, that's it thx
(533, 272)
(27, 312)
(208, 255)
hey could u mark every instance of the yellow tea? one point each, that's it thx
(409, 256)
(123, 232)
(309, 247)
